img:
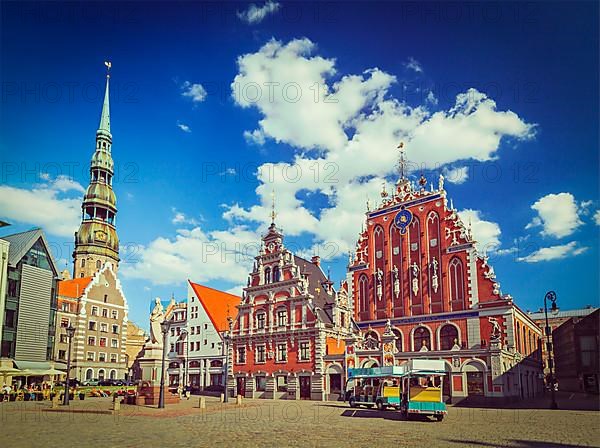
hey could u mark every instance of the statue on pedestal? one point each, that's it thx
(157, 316)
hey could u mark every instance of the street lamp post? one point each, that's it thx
(164, 327)
(227, 340)
(550, 296)
(70, 333)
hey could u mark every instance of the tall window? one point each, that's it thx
(94, 311)
(260, 353)
(363, 293)
(457, 284)
(589, 350)
(260, 320)
(83, 262)
(282, 352)
(98, 264)
(268, 275)
(304, 351)
(448, 337)
(421, 338)
(379, 242)
(241, 355)
(261, 383)
(276, 274)
(281, 318)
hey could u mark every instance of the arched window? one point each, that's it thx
(83, 262)
(98, 264)
(414, 258)
(363, 291)
(275, 274)
(267, 275)
(518, 341)
(525, 351)
(194, 364)
(89, 374)
(398, 341)
(435, 256)
(379, 241)
(173, 365)
(396, 268)
(448, 337)
(456, 277)
(113, 375)
(421, 339)
(100, 374)
(216, 363)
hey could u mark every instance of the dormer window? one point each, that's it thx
(267, 275)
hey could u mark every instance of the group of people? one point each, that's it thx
(184, 391)
(31, 391)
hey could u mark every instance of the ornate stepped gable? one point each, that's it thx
(279, 274)
(415, 256)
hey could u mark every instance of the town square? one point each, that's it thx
(299, 224)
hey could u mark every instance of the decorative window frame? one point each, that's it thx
(300, 342)
(256, 361)
(285, 356)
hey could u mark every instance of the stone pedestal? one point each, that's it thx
(150, 365)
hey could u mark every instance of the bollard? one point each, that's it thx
(202, 403)
(55, 399)
(222, 398)
(116, 404)
(238, 400)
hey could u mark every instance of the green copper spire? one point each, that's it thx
(105, 117)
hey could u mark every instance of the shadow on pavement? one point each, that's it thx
(566, 401)
(386, 415)
(516, 444)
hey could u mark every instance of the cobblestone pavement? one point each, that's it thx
(270, 423)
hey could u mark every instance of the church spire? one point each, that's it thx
(96, 241)
(273, 214)
(105, 116)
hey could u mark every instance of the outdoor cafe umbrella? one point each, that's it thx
(51, 372)
(8, 371)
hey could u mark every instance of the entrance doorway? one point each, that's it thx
(304, 387)
(475, 383)
(241, 385)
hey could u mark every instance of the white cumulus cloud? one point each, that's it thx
(256, 14)
(54, 205)
(458, 175)
(557, 214)
(194, 91)
(554, 253)
(486, 233)
(184, 127)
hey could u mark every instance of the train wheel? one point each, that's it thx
(352, 402)
(439, 417)
(380, 405)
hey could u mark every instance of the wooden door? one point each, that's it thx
(305, 387)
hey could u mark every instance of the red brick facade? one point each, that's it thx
(421, 289)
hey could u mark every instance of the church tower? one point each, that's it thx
(96, 241)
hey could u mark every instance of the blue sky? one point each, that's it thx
(506, 93)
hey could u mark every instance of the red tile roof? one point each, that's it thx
(73, 288)
(218, 304)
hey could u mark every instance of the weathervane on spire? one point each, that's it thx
(273, 214)
(108, 66)
(401, 161)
